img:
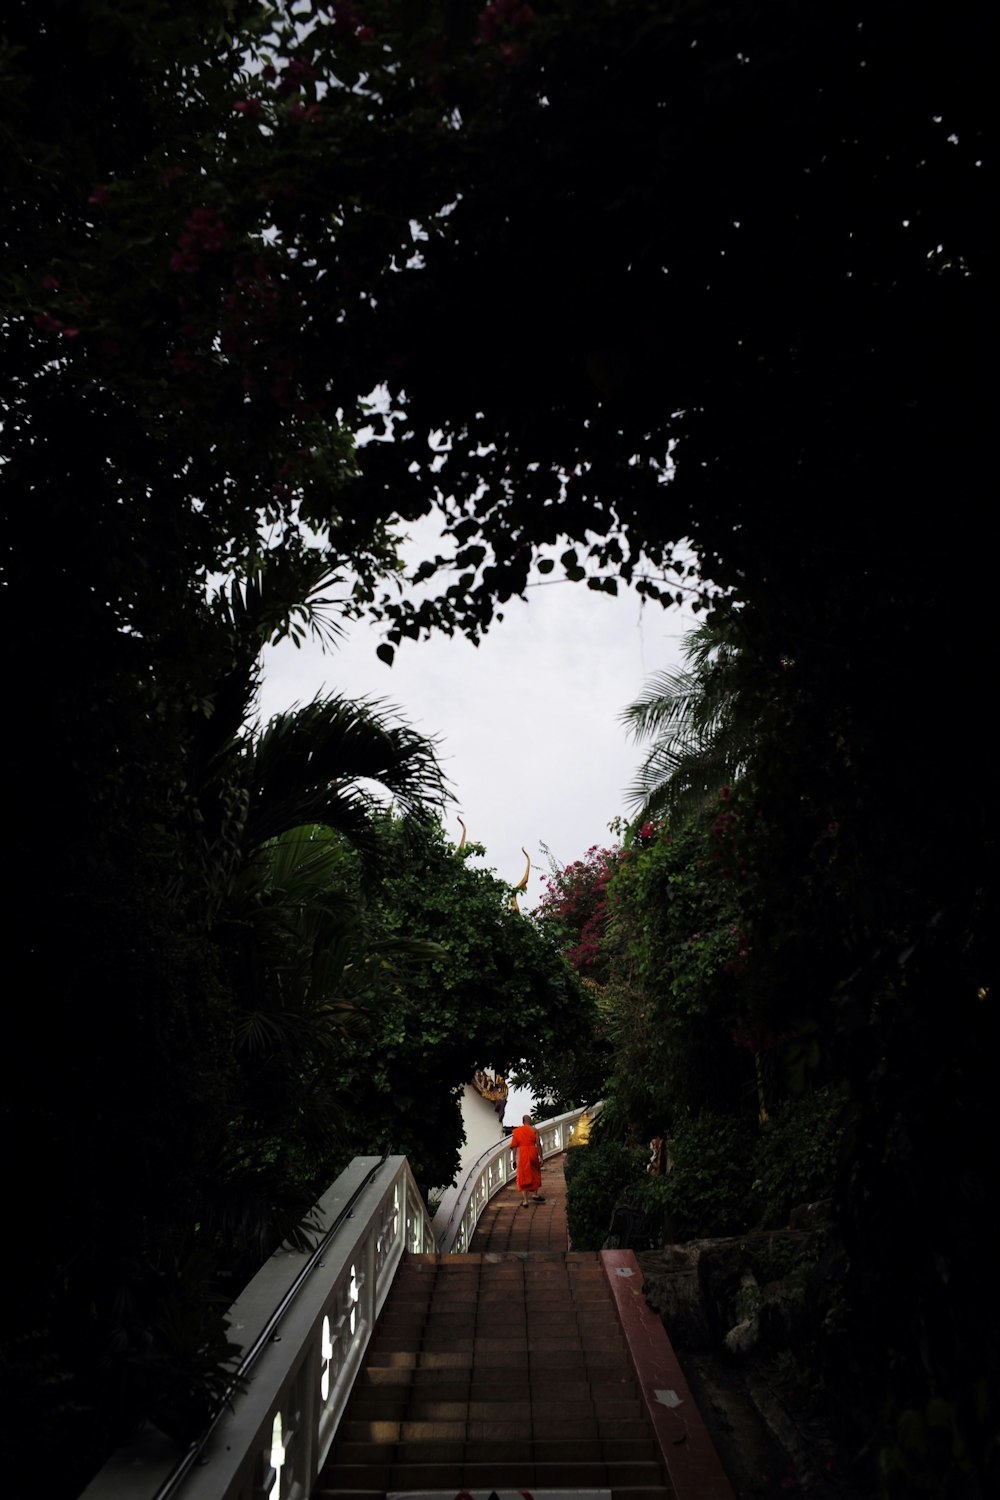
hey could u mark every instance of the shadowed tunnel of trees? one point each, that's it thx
(630, 277)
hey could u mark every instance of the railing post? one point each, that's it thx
(305, 1322)
(303, 1325)
(489, 1174)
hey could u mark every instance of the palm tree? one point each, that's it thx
(312, 765)
(316, 765)
(285, 839)
(696, 722)
(304, 971)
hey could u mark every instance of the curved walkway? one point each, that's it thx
(521, 1368)
(506, 1228)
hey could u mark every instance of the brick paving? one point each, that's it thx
(504, 1226)
(512, 1369)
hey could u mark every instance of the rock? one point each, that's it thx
(673, 1289)
(781, 1312)
(748, 1298)
(740, 1313)
(812, 1215)
(743, 1338)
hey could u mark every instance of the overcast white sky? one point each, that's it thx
(527, 722)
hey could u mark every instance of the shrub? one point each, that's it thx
(795, 1155)
(597, 1177)
(706, 1192)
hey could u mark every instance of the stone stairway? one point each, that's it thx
(497, 1371)
(521, 1368)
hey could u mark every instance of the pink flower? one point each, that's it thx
(299, 70)
(100, 195)
(47, 323)
(185, 261)
(204, 231)
(501, 13)
(207, 229)
(252, 108)
(50, 283)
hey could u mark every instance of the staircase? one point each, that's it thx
(371, 1366)
(504, 1370)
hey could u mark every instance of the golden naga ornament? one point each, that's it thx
(522, 884)
(492, 1086)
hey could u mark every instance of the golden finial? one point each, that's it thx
(522, 884)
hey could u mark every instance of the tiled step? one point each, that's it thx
(496, 1370)
(485, 1478)
(410, 1405)
(552, 1452)
(509, 1368)
(448, 1468)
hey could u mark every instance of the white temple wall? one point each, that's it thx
(483, 1128)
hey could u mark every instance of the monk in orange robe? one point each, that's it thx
(527, 1152)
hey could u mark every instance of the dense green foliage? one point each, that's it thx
(174, 467)
(706, 1190)
(185, 1100)
(492, 992)
(795, 1155)
(598, 1176)
(776, 1081)
(695, 723)
(728, 267)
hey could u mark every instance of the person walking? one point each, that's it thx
(527, 1153)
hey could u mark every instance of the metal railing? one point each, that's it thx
(494, 1170)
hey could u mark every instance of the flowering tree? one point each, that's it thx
(575, 910)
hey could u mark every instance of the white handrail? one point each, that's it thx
(277, 1434)
(311, 1318)
(494, 1170)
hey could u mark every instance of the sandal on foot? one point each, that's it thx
(538, 1200)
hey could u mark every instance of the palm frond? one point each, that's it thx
(698, 723)
(312, 766)
(666, 699)
(280, 596)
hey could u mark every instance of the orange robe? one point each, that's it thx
(524, 1140)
